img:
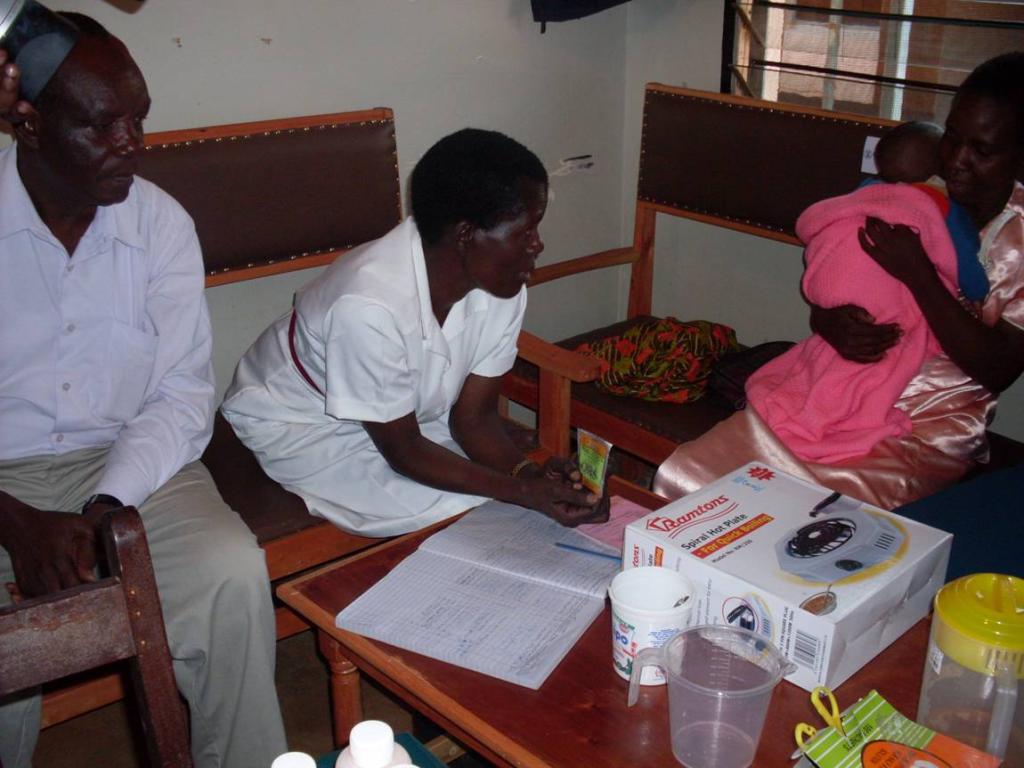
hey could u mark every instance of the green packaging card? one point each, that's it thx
(593, 460)
(877, 736)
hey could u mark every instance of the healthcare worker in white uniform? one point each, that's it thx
(376, 397)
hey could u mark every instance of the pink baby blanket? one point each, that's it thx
(826, 408)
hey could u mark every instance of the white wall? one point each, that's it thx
(440, 64)
(702, 271)
(444, 64)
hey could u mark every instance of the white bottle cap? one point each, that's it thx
(293, 760)
(372, 744)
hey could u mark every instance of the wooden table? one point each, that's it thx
(579, 716)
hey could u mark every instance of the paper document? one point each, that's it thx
(521, 542)
(491, 593)
(622, 513)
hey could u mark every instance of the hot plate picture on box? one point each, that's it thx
(748, 612)
(742, 616)
(842, 539)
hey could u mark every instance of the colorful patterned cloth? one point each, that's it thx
(661, 360)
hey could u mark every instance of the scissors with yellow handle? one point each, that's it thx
(802, 733)
(825, 704)
(821, 696)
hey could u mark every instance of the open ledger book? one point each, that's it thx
(491, 593)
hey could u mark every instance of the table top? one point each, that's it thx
(579, 715)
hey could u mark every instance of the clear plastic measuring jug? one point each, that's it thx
(720, 680)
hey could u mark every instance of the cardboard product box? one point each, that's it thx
(829, 579)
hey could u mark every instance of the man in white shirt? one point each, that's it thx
(107, 396)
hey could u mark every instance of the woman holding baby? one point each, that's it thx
(952, 398)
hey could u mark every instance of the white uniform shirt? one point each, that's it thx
(367, 336)
(110, 346)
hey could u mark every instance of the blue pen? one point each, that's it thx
(574, 548)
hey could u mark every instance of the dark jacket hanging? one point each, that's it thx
(564, 10)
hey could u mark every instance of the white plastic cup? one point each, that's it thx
(649, 605)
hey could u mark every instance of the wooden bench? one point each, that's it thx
(727, 161)
(271, 197)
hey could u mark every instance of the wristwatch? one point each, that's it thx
(101, 498)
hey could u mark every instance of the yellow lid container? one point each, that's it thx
(979, 623)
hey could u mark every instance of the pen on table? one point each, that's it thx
(594, 552)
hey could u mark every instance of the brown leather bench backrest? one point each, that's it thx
(278, 195)
(745, 164)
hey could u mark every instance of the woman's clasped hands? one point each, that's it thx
(556, 490)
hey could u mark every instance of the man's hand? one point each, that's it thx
(853, 332)
(49, 551)
(12, 109)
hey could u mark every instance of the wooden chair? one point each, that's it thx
(92, 625)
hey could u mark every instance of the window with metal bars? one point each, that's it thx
(898, 59)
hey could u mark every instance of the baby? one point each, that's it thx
(823, 407)
(909, 153)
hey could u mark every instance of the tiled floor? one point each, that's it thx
(107, 737)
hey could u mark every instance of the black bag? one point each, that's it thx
(564, 10)
(728, 379)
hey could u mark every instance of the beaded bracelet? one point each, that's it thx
(520, 467)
